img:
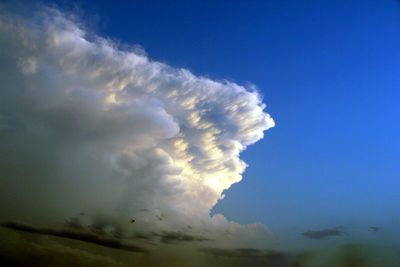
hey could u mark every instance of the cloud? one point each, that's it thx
(323, 234)
(23, 248)
(374, 228)
(86, 127)
(87, 237)
(171, 237)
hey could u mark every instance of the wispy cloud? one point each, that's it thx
(375, 228)
(323, 234)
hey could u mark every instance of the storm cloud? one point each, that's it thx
(87, 128)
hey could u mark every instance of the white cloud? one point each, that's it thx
(87, 127)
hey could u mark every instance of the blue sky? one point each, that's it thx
(329, 74)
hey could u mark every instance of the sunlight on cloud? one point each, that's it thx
(89, 127)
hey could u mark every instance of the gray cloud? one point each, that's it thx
(77, 235)
(173, 237)
(168, 237)
(374, 228)
(24, 248)
(323, 234)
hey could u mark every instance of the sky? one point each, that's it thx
(328, 72)
(322, 167)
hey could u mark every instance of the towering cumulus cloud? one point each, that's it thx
(98, 134)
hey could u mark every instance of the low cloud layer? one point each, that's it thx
(76, 235)
(324, 234)
(22, 248)
(90, 131)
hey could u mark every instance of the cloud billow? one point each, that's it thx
(87, 127)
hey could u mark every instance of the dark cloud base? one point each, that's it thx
(324, 234)
(172, 237)
(21, 245)
(82, 236)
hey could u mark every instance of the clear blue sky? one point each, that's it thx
(329, 72)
